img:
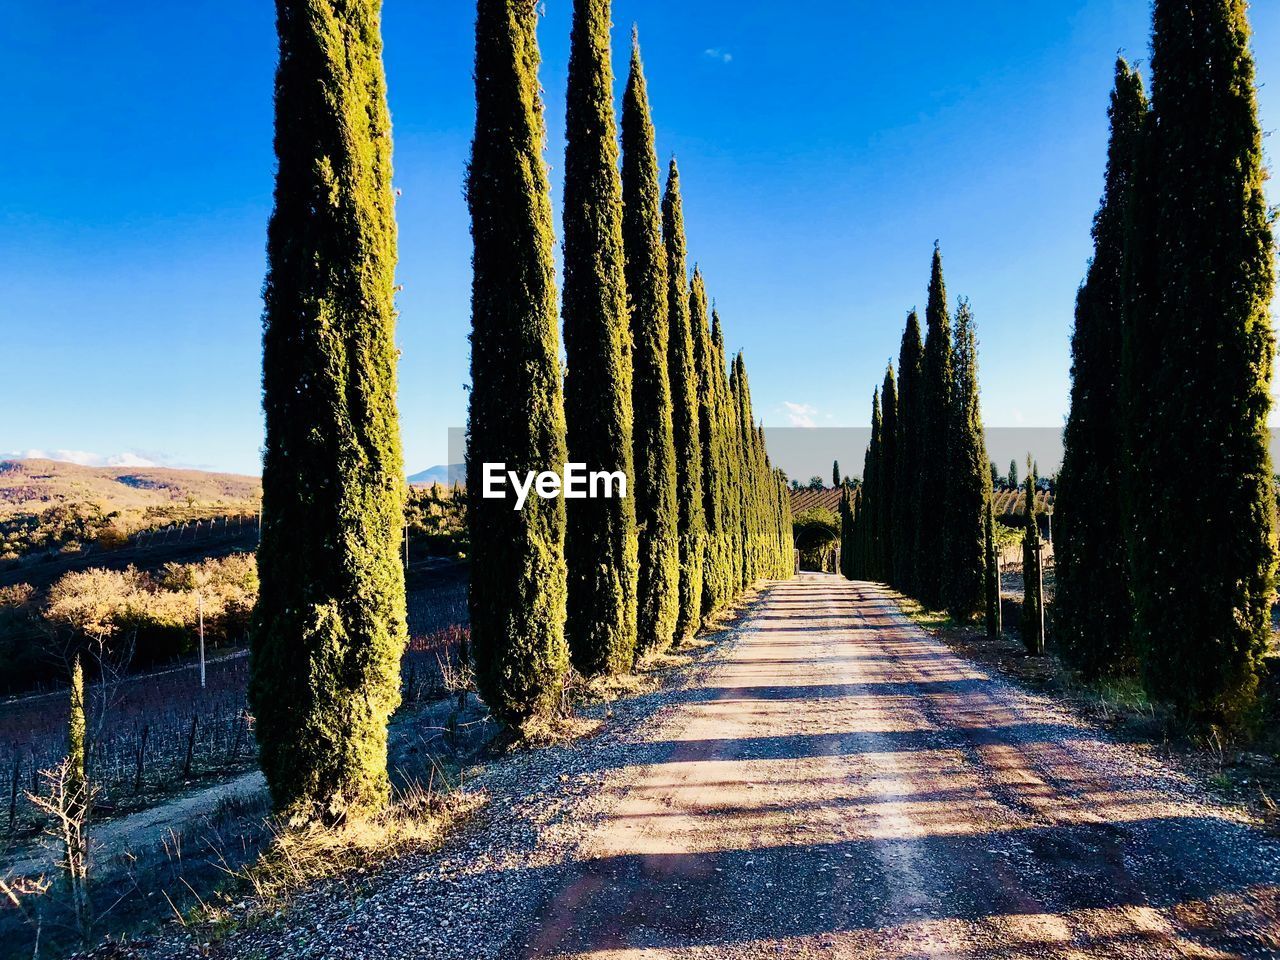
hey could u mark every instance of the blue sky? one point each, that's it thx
(823, 147)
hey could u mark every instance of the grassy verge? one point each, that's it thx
(296, 859)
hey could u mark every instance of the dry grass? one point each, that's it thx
(297, 858)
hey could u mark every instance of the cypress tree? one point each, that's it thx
(683, 370)
(517, 594)
(77, 782)
(786, 548)
(1013, 474)
(600, 536)
(969, 482)
(935, 431)
(715, 576)
(886, 474)
(731, 464)
(658, 586)
(1091, 608)
(329, 625)
(1199, 364)
(856, 565)
(835, 473)
(871, 474)
(846, 532)
(1032, 621)
(906, 468)
(993, 612)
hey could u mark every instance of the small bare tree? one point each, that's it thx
(66, 799)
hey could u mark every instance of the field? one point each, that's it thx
(161, 732)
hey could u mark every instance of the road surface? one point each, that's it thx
(842, 785)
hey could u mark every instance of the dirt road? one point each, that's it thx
(844, 786)
(827, 782)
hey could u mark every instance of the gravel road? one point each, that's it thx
(831, 783)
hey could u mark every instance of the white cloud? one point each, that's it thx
(715, 53)
(84, 458)
(800, 414)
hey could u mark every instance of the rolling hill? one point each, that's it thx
(32, 486)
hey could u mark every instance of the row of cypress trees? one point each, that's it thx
(918, 521)
(648, 390)
(1172, 362)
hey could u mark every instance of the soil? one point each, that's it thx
(835, 782)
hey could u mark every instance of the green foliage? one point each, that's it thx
(684, 377)
(934, 476)
(869, 547)
(907, 462)
(968, 489)
(1092, 613)
(991, 581)
(518, 575)
(1032, 597)
(65, 525)
(716, 573)
(1198, 365)
(133, 618)
(886, 474)
(77, 747)
(329, 627)
(437, 519)
(600, 535)
(816, 525)
(1013, 474)
(835, 473)
(846, 532)
(657, 518)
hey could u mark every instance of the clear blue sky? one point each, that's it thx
(822, 146)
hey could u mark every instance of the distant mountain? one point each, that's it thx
(448, 474)
(30, 486)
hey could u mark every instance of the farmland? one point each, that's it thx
(160, 731)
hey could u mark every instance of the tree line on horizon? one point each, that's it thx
(1171, 578)
(919, 519)
(648, 390)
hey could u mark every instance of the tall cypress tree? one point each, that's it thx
(846, 533)
(517, 594)
(329, 625)
(886, 474)
(683, 370)
(935, 433)
(906, 468)
(658, 588)
(600, 538)
(715, 575)
(1200, 351)
(1013, 474)
(993, 613)
(835, 473)
(1032, 557)
(969, 481)
(871, 476)
(730, 463)
(1091, 606)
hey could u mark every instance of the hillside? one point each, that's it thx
(32, 486)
